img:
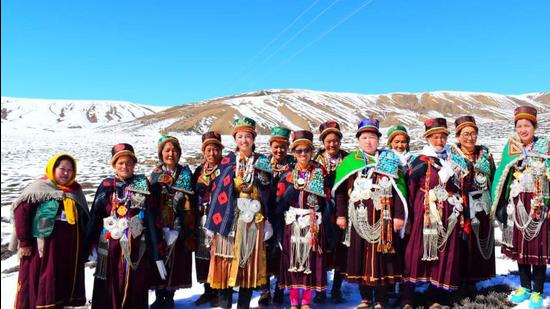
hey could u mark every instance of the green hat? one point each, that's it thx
(279, 134)
(244, 124)
(396, 130)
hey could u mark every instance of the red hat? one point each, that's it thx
(328, 127)
(465, 121)
(211, 137)
(302, 137)
(525, 112)
(435, 125)
(120, 150)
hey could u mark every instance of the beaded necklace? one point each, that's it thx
(331, 163)
(301, 178)
(245, 169)
(278, 167)
(209, 172)
(119, 203)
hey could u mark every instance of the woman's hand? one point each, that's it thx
(25, 251)
(341, 222)
(397, 224)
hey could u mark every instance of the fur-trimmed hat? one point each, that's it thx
(120, 150)
(526, 112)
(435, 125)
(302, 137)
(465, 121)
(328, 127)
(244, 124)
(165, 139)
(211, 137)
(397, 130)
(368, 125)
(279, 134)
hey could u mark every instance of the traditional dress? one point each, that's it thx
(479, 239)
(51, 220)
(204, 178)
(123, 229)
(302, 200)
(176, 218)
(433, 250)
(370, 193)
(237, 216)
(336, 256)
(521, 202)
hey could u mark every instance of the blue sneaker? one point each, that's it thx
(520, 295)
(535, 301)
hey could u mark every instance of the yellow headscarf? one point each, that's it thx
(68, 203)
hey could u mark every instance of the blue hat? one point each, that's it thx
(368, 125)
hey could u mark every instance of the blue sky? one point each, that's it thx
(173, 52)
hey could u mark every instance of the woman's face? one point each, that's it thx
(279, 149)
(245, 141)
(332, 144)
(170, 155)
(400, 143)
(303, 154)
(437, 140)
(525, 130)
(212, 154)
(64, 172)
(468, 137)
(368, 142)
(124, 167)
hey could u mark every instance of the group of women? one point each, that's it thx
(376, 215)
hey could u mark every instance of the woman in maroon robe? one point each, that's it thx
(478, 241)
(50, 220)
(123, 236)
(203, 178)
(330, 157)
(433, 251)
(172, 186)
(302, 200)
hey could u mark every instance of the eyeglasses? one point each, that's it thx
(302, 151)
(66, 170)
(469, 135)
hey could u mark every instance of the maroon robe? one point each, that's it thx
(365, 265)
(445, 271)
(475, 267)
(56, 279)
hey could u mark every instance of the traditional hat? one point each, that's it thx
(211, 137)
(396, 130)
(435, 125)
(244, 124)
(165, 139)
(120, 150)
(302, 137)
(279, 134)
(525, 112)
(328, 127)
(368, 125)
(465, 121)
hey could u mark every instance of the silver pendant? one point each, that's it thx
(362, 183)
(301, 181)
(136, 228)
(138, 200)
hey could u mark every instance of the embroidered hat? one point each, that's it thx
(368, 125)
(329, 127)
(244, 124)
(165, 139)
(211, 137)
(120, 150)
(465, 121)
(302, 137)
(526, 112)
(397, 130)
(435, 125)
(279, 134)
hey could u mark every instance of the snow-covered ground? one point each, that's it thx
(25, 151)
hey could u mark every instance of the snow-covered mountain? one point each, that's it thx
(307, 109)
(44, 114)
